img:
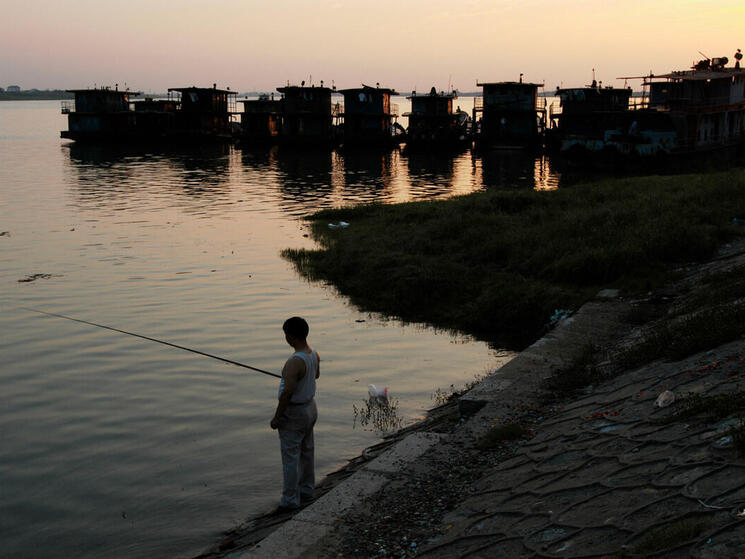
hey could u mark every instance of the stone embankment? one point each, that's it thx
(603, 474)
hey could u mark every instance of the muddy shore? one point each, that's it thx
(603, 472)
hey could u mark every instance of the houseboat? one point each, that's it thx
(433, 124)
(586, 115)
(512, 115)
(693, 112)
(307, 118)
(100, 115)
(202, 113)
(110, 115)
(261, 120)
(369, 117)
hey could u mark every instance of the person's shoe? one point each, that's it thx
(306, 499)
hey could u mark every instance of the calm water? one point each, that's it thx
(114, 446)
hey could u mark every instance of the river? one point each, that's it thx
(119, 447)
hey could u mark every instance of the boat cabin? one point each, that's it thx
(203, 112)
(99, 114)
(706, 104)
(261, 119)
(432, 121)
(511, 115)
(306, 114)
(588, 114)
(368, 114)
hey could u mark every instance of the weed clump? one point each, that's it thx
(495, 264)
(578, 374)
(497, 435)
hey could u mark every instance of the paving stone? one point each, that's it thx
(664, 510)
(734, 497)
(563, 461)
(611, 506)
(637, 474)
(667, 433)
(717, 483)
(647, 452)
(589, 541)
(728, 543)
(593, 471)
(539, 481)
(530, 523)
(493, 523)
(612, 445)
(683, 475)
(693, 453)
(543, 538)
(555, 501)
(466, 546)
(525, 502)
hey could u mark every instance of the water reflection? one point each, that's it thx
(515, 169)
(118, 176)
(305, 177)
(300, 181)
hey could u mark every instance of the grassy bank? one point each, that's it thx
(496, 264)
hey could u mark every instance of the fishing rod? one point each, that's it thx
(154, 340)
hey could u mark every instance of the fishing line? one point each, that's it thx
(153, 340)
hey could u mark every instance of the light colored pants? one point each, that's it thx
(296, 444)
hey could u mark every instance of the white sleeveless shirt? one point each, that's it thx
(306, 386)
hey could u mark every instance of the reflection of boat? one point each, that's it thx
(689, 112)
(433, 124)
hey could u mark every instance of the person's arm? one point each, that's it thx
(292, 372)
(318, 372)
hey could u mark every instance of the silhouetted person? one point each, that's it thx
(296, 415)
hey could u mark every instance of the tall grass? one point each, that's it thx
(496, 264)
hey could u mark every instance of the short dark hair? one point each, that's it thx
(296, 327)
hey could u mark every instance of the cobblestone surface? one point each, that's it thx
(603, 474)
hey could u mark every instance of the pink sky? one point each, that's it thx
(406, 44)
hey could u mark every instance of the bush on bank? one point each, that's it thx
(496, 264)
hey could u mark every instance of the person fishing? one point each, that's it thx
(296, 416)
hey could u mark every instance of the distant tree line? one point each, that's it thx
(35, 95)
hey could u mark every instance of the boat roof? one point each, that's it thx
(104, 90)
(194, 88)
(300, 87)
(696, 75)
(369, 88)
(590, 88)
(480, 84)
(433, 94)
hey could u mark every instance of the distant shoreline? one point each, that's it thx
(48, 95)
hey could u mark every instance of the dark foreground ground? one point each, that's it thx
(562, 452)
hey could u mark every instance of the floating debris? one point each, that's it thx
(340, 225)
(35, 277)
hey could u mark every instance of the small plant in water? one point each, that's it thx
(381, 415)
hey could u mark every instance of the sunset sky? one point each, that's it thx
(408, 44)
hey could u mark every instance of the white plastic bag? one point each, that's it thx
(664, 399)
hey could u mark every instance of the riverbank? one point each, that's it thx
(546, 468)
(497, 264)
